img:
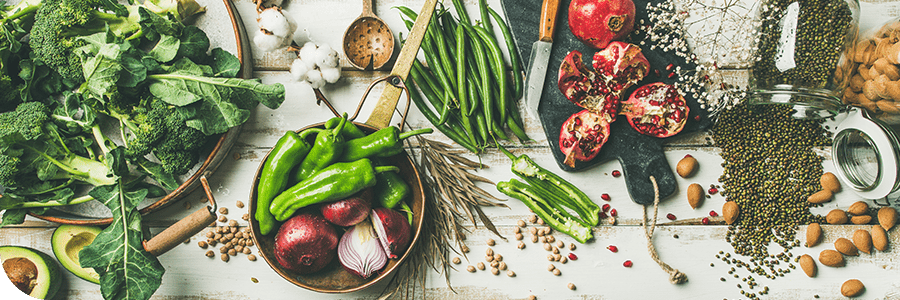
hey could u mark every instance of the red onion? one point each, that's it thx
(350, 211)
(393, 231)
(359, 251)
(305, 243)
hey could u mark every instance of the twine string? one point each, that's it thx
(675, 276)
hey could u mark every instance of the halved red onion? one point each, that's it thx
(393, 231)
(360, 252)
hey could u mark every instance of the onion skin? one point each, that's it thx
(305, 243)
(393, 231)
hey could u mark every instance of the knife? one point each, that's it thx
(540, 57)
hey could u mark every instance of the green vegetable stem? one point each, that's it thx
(289, 151)
(327, 149)
(556, 189)
(335, 182)
(390, 189)
(558, 220)
(383, 143)
(350, 131)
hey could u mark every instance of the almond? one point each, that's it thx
(852, 288)
(830, 182)
(730, 211)
(695, 195)
(831, 258)
(808, 264)
(879, 238)
(686, 166)
(820, 197)
(886, 217)
(845, 247)
(861, 220)
(858, 209)
(863, 241)
(813, 234)
(836, 217)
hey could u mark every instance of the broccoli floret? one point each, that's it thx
(42, 153)
(162, 129)
(59, 24)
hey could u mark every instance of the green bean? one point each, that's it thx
(418, 72)
(498, 130)
(446, 130)
(481, 61)
(461, 11)
(482, 128)
(461, 68)
(485, 18)
(426, 76)
(444, 56)
(517, 129)
(478, 124)
(499, 69)
(445, 112)
(514, 58)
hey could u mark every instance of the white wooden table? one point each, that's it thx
(598, 273)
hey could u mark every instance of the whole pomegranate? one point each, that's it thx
(582, 136)
(598, 22)
(616, 68)
(656, 109)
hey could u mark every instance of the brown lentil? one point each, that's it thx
(510, 273)
(495, 264)
(223, 210)
(246, 251)
(239, 204)
(502, 266)
(557, 272)
(210, 253)
(495, 271)
(534, 239)
(498, 257)
(489, 252)
(202, 244)
(251, 257)
(572, 246)
(470, 268)
(563, 259)
(223, 219)
(480, 266)
(521, 223)
(519, 236)
(521, 245)
(533, 219)
(571, 286)
(550, 268)
(225, 257)
(456, 260)
(245, 217)
(490, 242)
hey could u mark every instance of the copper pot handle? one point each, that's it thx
(185, 228)
(393, 80)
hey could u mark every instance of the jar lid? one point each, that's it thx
(865, 154)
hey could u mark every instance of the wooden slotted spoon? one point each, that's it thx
(368, 42)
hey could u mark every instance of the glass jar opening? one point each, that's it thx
(858, 159)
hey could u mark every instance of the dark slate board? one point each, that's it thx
(640, 156)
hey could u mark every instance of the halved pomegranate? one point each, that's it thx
(656, 109)
(582, 136)
(616, 68)
(597, 22)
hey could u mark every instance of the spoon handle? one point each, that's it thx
(368, 8)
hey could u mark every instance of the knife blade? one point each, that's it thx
(540, 57)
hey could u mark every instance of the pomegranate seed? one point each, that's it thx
(669, 67)
(670, 216)
(688, 155)
(671, 75)
(612, 248)
(705, 221)
(616, 173)
(602, 215)
(713, 213)
(613, 212)
(605, 196)
(605, 207)
(572, 256)
(713, 191)
(656, 72)
(697, 118)
(628, 264)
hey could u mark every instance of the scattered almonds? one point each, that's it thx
(813, 234)
(887, 216)
(223, 219)
(548, 247)
(561, 244)
(852, 288)
(820, 197)
(879, 238)
(495, 264)
(859, 208)
(808, 265)
(830, 182)
(845, 247)
(863, 241)
(695, 195)
(534, 239)
(861, 220)
(730, 211)
(686, 166)
(489, 258)
(202, 244)
(836, 217)
(550, 239)
(831, 258)
(251, 257)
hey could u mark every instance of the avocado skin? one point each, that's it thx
(48, 271)
(61, 238)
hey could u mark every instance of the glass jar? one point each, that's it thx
(801, 54)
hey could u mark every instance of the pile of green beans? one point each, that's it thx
(470, 88)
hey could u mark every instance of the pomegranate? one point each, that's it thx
(656, 109)
(598, 22)
(616, 68)
(582, 136)
(350, 211)
(305, 243)
(393, 231)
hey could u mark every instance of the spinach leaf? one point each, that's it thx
(126, 270)
(194, 43)
(166, 49)
(224, 63)
(13, 216)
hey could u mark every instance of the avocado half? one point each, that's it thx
(31, 271)
(67, 241)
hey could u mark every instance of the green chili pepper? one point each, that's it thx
(383, 143)
(327, 148)
(544, 210)
(562, 190)
(288, 152)
(335, 182)
(390, 189)
(350, 131)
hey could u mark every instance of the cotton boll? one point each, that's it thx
(308, 54)
(331, 75)
(273, 20)
(326, 57)
(315, 79)
(299, 70)
(268, 42)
